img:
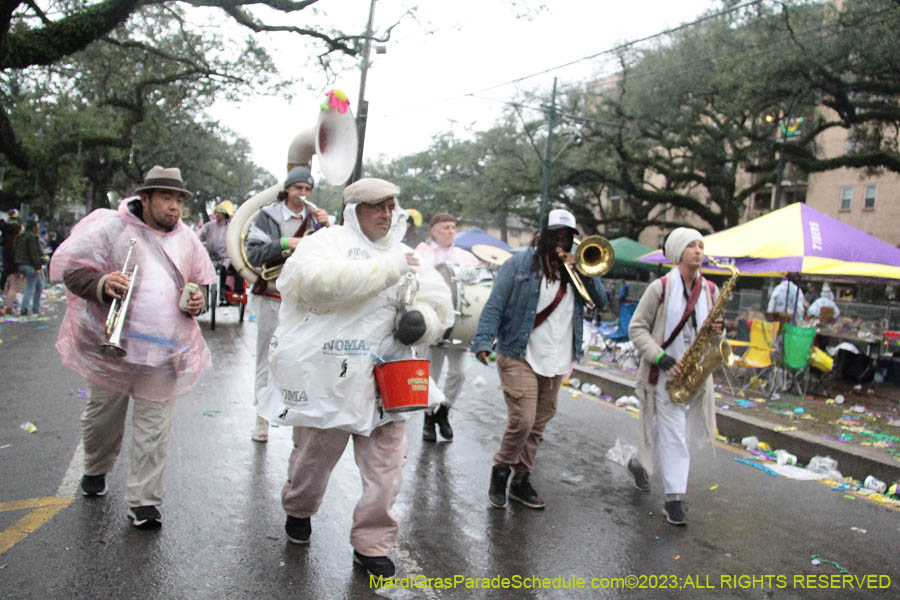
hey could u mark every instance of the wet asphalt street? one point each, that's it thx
(750, 534)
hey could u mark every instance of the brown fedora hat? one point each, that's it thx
(159, 178)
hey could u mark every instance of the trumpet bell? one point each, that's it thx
(112, 350)
(594, 256)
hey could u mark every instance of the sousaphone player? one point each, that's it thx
(266, 228)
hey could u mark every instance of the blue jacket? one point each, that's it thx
(511, 308)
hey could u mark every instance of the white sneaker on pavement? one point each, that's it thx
(261, 431)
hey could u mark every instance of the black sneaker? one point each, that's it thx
(428, 434)
(145, 517)
(378, 566)
(641, 480)
(298, 530)
(497, 492)
(521, 491)
(674, 510)
(443, 423)
(93, 485)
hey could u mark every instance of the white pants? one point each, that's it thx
(670, 442)
(456, 370)
(103, 427)
(380, 459)
(266, 323)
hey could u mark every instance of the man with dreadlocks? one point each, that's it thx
(537, 319)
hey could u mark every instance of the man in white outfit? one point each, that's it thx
(441, 251)
(665, 324)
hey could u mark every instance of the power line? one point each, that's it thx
(601, 53)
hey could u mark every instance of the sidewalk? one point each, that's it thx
(864, 440)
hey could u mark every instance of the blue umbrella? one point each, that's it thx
(470, 237)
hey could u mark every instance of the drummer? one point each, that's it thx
(442, 229)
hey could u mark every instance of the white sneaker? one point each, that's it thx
(261, 431)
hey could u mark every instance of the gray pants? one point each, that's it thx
(456, 370)
(266, 323)
(103, 427)
(380, 458)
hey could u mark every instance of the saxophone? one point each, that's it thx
(707, 352)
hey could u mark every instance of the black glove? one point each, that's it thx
(666, 362)
(410, 327)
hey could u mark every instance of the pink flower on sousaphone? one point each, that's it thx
(337, 99)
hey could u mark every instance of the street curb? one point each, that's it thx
(858, 462)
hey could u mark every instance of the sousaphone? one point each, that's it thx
(334, 140)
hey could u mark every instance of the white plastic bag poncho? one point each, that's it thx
(339, 304)
(155, 333)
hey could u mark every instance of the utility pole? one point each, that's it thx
(362, 109)
(545, 176)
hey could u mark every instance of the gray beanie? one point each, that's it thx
(369, 191)
(299, 175)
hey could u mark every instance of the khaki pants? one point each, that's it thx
(380, 459)
(103, 427)
(530, 404)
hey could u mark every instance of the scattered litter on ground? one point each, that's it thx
(762, 468)
(818, 560)
(627, 401)
(28, 427)
(621, 452)
(211, 413)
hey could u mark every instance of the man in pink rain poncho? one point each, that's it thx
(164, 352)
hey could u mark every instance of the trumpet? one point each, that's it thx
(594, 256)
(115, 319)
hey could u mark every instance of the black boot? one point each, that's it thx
(497, 492)
(428, 434)
(521, 491)
(440, 417)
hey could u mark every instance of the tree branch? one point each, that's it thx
(63, 37)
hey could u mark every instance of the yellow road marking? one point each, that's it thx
(42, 510)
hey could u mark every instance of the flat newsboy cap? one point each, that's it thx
(369, 190)
(159, 178)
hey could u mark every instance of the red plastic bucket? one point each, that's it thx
(403, 385)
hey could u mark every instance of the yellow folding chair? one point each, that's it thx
(756, 360)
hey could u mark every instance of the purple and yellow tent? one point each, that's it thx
(800, 239)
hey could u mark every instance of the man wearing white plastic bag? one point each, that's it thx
(339, 312)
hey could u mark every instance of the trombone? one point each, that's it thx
(594, 256)
(115, 319)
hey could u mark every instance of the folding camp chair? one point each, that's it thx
(797, 344)
(615, 338)
(755, 358)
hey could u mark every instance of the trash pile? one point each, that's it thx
(823, 468)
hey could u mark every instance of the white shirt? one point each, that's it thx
(550, 349)
(290, 221)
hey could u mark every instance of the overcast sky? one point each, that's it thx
(437, 70)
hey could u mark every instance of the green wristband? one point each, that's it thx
(284, 244)
(661, 354)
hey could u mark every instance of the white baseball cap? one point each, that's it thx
(559, 218)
